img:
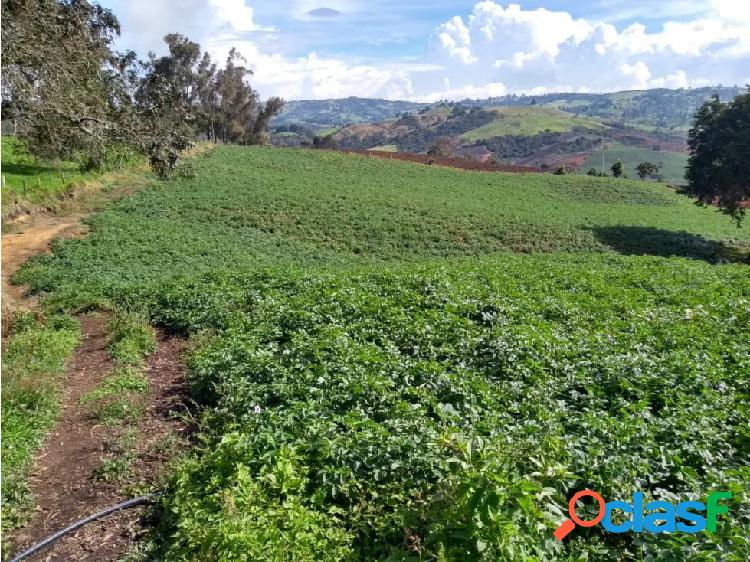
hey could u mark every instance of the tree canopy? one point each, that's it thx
(647, 169)
(718, 170)
(70, 95)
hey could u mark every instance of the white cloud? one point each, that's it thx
(494, 50)
(313, 76)
(541, 50)
(491, 90)
(236, 14)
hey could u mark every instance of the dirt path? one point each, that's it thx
(64, 482)
(27, 240)
(63, 478)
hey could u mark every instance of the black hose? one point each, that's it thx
(78, 524)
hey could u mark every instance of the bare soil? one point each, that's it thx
(29, 239)
(63, 480)
(460, 163)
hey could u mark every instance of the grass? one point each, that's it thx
(403, 362)
(119, 398)
(120, 456)
(34, 357)
(672, 163)
(40, 179)
(130, 339)
(30, 181)
(529, 120)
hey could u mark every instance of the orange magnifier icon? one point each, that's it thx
(569, 524)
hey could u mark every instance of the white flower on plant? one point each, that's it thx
(257, 409)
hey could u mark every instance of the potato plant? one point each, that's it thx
(409, 363)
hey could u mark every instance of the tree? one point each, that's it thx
(617, 169)
(444, 147)
(592, 172)
(259, 134)
(718, 170)
(71, 96)
(647, 169)
(62, 84)
(327, 142)
(166, 119)
(229, 109)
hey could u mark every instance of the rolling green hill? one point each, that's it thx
(536, 134)
(672, 163)
(658, 108)
(340, 112)
(389, 355)
(529, 120)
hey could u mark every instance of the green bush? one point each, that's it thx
(222, 512)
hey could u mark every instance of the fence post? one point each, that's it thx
(24, 186)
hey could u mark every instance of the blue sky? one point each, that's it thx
(452, 49)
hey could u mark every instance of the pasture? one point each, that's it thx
(672, 164)
(27, 178)
(529, 120)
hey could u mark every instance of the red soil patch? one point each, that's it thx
(62, 480)
(448, 162)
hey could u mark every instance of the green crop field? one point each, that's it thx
(672, 163)
(529, 120)
(407, 362)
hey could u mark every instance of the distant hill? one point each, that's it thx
(547, 131)
(671, 164)
(529, 120)
(652, 109)
(659, 108)
(342, 112)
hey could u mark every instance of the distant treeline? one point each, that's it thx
(520, 146)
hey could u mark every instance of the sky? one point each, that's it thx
(438, 49)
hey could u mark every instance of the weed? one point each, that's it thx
(120, 456)
(123, 381)
(131, 338)
(120, 397)
(33, 360)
